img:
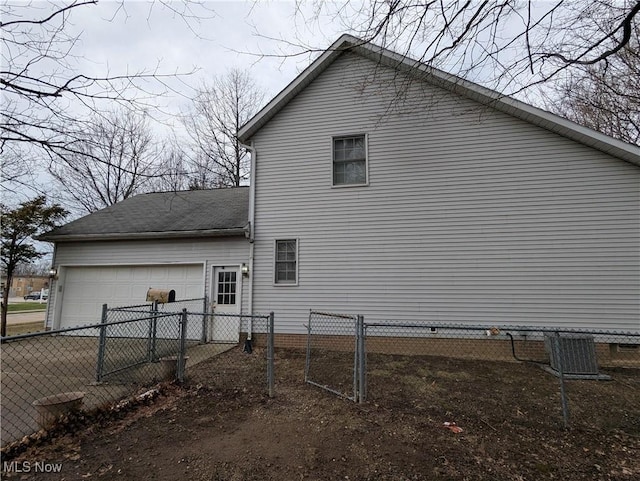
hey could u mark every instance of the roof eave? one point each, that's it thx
(316, 67)
(508, 105)
(231, 232)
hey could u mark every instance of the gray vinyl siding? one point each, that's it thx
(470, 215)
(213, 252)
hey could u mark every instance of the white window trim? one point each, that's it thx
(366, 160)
(273, 268)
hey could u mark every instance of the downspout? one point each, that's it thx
(252, 216)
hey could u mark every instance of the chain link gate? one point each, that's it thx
(133, 336)
(335, 358)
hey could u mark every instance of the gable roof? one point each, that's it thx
(196, 213)
(483, 95)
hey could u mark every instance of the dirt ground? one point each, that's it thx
(222, 426)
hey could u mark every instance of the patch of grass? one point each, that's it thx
(420, 385)
(27, 306)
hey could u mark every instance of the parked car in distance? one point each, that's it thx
(35, 296)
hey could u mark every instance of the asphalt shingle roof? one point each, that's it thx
(196, 212)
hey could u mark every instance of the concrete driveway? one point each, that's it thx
(44, 365)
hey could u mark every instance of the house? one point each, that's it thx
(383, 187)
(386, 188)
(193, 242)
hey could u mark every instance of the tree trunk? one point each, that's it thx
(5, 308)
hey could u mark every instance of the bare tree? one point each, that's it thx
(504, 44)
(43, 92)
(34, 268)
(172, 169)
(604, 97)
(15, 168)
(217, 112)
(122, 139)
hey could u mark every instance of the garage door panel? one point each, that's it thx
(121, 291)
(86, 289)
(119, 275)
(144, 275)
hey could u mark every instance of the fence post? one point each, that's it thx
(203, 336)
(361, 355)
(307, 362)
(153, 332)
(102, 343)
(557, 352)
(183, 346)
(270, 354)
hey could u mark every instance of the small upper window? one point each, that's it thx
(286, 271)
(349, 160)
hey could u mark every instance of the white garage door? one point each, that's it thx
(86, 289)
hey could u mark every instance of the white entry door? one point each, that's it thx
(225, 322)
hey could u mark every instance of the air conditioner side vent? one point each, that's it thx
(577, 353)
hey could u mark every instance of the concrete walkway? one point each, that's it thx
(25, 317)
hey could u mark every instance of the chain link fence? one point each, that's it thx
(129, 338)
(574, 365)
(48, 374)
(333, 360)
(573, 358)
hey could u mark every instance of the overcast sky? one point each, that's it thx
(196, 40)
(208, 40)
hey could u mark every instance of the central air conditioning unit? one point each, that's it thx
(576, 352)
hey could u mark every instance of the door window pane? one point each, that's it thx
(226, 287)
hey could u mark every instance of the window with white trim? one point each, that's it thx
(350, 160)
(286, 261)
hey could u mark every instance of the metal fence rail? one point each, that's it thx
(195, 309)
(497, 342)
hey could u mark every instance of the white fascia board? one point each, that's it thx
(144, 235)
(297, 85)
